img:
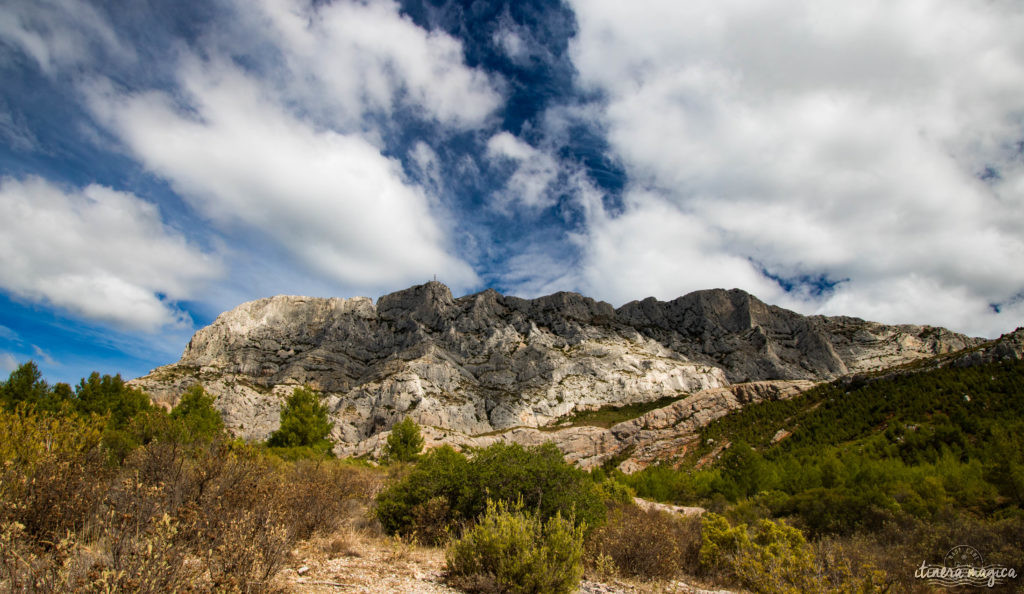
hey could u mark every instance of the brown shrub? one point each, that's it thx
(892, 554)
(173, 517)
(645, 543)
(432, 520)
(319, 495)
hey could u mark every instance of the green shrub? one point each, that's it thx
(613, 492)
(772, 557)
(441, 474)
(510, 550)
(404, 443)
(537, 476)
(540, 476)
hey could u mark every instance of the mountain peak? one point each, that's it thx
(487, 362)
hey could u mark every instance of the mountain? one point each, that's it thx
(488, 363)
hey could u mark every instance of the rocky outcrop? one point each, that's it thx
(751, 340)
(660, 434)
(1008, 347)
(488, 363)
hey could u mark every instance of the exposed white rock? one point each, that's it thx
(488, 363)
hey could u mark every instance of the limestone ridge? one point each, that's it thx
(753, 341)
(488, 362)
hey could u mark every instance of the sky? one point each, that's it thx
(162, 161)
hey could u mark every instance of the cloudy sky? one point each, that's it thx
(163, 161)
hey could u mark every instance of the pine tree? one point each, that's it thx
(405, 442)
(304, 422)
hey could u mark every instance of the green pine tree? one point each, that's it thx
(196, 412)
(405, 442)
(304, 422)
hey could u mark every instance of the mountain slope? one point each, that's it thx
(488, 362)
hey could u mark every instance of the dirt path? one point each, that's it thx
(348, 562)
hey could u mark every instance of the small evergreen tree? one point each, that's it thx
(304, 422)
(405, 442)
(196, 412)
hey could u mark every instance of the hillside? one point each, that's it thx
(488, 363)
(865, 443)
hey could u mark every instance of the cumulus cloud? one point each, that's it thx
(276, 127)
(655, 249)
(331, 199)
(836, 140)
(97, 253)
(533, 175)
(346, 60)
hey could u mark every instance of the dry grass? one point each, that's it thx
(172, 518)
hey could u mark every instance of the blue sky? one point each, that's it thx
(164, 161)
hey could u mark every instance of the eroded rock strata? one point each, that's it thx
(488, 363)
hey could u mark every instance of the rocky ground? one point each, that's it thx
(351, 562)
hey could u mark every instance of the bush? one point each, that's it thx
(510, 550)
(51, 472)
(537, 476)
(304, 422)
(404, 443)
(647, 543)
(440, 475)
(771, 557)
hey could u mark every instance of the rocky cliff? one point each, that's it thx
(488, 363)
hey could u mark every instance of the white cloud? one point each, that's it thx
(655, 249)
(511, 44)
(830, 138)
(59, 33)
(428, 165)
(7, 363)
(349, 59)
(43, 355)
(331, 199)
(8, 334)
(289, 146)
(535, 174)
(100, 254)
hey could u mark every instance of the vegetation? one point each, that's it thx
(511, 550)
(867, 462)
(645, 543)
(405, 442)
(606, 416)
(304, 423)
(101, 491)
(196, 413)
(446, 490)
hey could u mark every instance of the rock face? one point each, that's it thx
(662, 433)
(489, 363)
(1008, 347)
(752, 341)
